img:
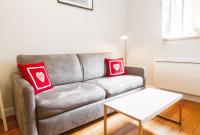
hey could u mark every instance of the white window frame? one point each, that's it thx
(172, 37)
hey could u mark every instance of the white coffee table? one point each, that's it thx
(144, 105)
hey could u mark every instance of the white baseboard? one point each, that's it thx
(185, 95)
(188, 96)
(191, 97)
(9, 112)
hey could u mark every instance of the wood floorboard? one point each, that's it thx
(119, 124)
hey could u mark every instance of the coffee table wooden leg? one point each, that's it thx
(140, 128)
(3, 114)
(180, 112)
(179, 121)
(105, 120)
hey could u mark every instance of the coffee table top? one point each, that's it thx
(145, 104)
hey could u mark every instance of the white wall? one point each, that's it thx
(143, 26)
(45, 26)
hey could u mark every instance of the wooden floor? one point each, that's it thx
(122, 125)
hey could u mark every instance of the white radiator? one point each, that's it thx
(178, 74)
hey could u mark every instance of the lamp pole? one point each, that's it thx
(125, 52)
(124, 37)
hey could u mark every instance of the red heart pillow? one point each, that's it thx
(36, 74)
(115, 67)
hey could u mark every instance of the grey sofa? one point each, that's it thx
(80, 90)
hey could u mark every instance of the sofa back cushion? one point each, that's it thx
(93, 64)
(62, 68)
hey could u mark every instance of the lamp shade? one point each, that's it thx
(124, 37)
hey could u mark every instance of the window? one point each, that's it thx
(180, 18)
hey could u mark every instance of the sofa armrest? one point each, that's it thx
(139, 71)
(24, 103)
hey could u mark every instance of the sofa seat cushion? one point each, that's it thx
(67, 97)
(118, 84)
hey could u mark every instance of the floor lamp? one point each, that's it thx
(124, 38)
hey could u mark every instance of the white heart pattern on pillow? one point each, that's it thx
(116, 67)
(40, 76)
